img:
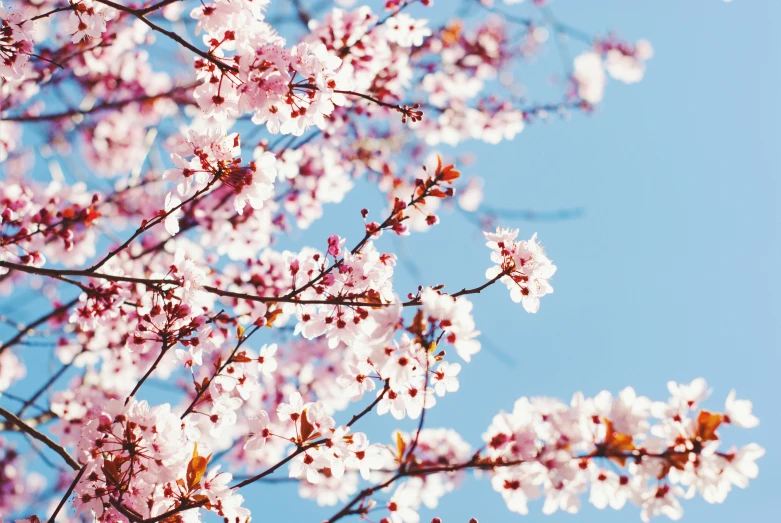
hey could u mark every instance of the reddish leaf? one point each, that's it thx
(112, 473)
(196, 468)
(401, 447)
(418, 327)
(677, 460)
(307, 429)
(92, 215)
(707, 423)
(617, 445)
(451, 34)
(241, 357)
(271, 317)
(449, 173)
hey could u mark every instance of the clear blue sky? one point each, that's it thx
(670, 274)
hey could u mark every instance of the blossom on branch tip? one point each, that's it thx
(521, 265)
(16, 47)
(406, 31)
(88, 19)
(454, 317)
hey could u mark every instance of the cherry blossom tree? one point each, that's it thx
(153, 155)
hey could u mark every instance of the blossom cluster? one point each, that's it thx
(521, 265)
(622, 61)
(620, 449)
(136, 459)
(287, 89)
(88, 20)
(161, 164)
(16, 43)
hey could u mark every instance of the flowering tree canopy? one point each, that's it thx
(155, 153)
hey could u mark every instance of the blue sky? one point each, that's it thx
(671, 273)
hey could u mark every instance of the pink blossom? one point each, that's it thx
(404, 30)
(521, 265)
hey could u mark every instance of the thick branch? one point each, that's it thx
(40, 419)
(24, 427)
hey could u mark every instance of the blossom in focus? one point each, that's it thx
(521, 265)
(88, 20)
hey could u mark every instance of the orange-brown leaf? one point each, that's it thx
(133, 512)
(451, 33)
(707, 423)
(418, 327)
(676, 460)
(449, 173)
(271, 317)
(372, 296)
(241, 357)
(201, 498)
(92, 215)
(401, 446)
(617, 445)
(196, 468)
(307, 429)
(111, 471)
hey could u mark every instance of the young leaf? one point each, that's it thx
(307, 429)
(196, 468)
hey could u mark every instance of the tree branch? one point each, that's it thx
(43, 319)
(26, 428)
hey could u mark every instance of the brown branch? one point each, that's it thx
(344, 51)
(54, 377)
(156, 6)
(101, 107)
(139, 13)
(149, 372)
(67, 494)
(24, 427)
(474, 463)
(291, 297)
(346, 510)
(406, 111)
(303, 16)
(59, 273)
(228, 361)
(43, 319)
(40, 419)
(151, 223)
(371, 406)
(49, 13)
